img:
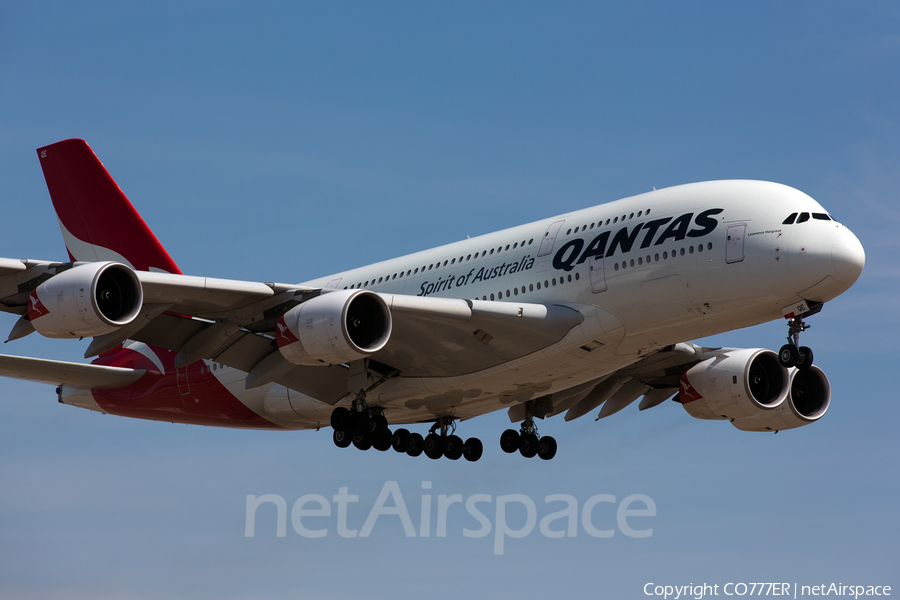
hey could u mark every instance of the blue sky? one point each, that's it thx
(275, 141)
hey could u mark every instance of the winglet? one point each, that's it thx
(97, 220)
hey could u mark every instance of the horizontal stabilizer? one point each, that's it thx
(78, 375)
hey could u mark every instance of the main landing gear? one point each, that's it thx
(793, 354)
(527, 441)
(367, 428)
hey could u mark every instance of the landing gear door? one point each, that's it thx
(734, 242)
(598, 276)
(549, 238)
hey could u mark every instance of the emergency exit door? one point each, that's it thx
(734, 242)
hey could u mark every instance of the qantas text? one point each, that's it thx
(578, 250)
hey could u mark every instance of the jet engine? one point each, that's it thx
(734, 384)
(334, 328)
(87, 300)
(808, 401)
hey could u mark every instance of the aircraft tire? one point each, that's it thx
(788, 355)
(416, 444)
(509, 441)
(342, 438)
(453, 447)
(340, 418)
(473, 449)
(804, 358)
(434, 449)
(381, 439)
(546, 447)
(400, 440)
(528, 445)
(362, 441)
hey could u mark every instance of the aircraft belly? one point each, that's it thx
(408, 400)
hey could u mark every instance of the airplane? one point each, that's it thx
(587, 310)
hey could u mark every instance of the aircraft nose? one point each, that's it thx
(848, 257)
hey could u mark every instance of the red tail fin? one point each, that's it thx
(97, 220)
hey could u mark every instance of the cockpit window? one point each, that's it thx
(821, 217)
(790, 219)
(804, 217)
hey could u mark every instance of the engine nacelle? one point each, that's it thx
(808, 401)
(87, 300)
(734, 385)
(334, 328)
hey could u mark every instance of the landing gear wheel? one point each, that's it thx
(546, 447)
(400, 440)
(805, 358)
(434, 448)
(473, 449)
(359, 422)
(340, 418)
(416, 444)
(342, 438)
(377, 423)
(381, 439)
(788, 356)
(453, 447)
(362, 441)
(509, 441)
(528, 445)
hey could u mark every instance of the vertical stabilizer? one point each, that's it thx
(97, 220)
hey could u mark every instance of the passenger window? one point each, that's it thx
(790, 219)
(804, 217)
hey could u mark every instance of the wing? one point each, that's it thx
(77, 375)
(234, 323)
(655, 377)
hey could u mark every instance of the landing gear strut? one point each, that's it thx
(527, 441)
(793, 354)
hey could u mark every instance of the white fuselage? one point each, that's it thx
(646, 272)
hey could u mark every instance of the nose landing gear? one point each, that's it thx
(793, 354)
